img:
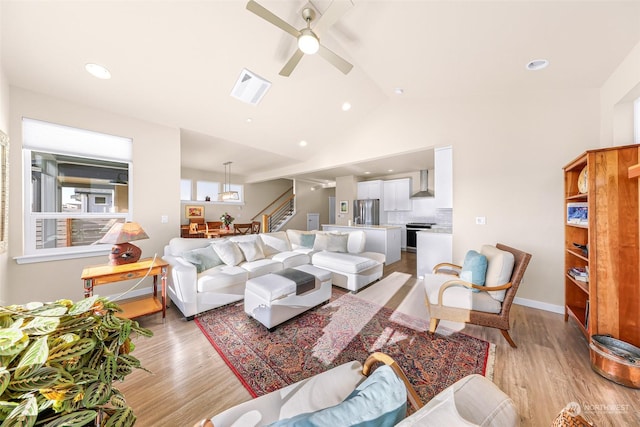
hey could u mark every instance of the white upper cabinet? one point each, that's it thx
(444, 177)
(397, 195)
(370, 189)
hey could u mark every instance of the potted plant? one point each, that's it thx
(59, 361)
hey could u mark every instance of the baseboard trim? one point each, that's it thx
(539, 305)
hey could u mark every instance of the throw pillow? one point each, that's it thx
(332, 242)
(203, 258)
(275, 242)
(499, 270)
(252, 250)
(295, 236)
(441, 411)
(228, 252)
(474, 268)
(307, 240)
(379, 401)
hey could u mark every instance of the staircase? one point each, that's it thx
(282, 210)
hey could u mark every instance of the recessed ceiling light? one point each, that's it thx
(390, 170)
(346, 106)
(98, 71)
(537, 64)
(249, 119)
(367, 173)
(398, 91)
(302, 143)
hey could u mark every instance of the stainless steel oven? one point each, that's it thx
(412, 229)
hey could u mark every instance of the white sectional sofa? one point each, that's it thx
(210, 273)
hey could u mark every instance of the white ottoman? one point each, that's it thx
(271, 299)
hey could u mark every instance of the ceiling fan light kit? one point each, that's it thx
(308, 41)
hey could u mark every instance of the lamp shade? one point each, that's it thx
(124, 232)
(119, 235)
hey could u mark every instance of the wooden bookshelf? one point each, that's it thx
(610, 300)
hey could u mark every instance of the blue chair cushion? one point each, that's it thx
(379, 401)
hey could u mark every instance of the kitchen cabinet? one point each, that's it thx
(443, 160)
(370, 189)
(397, 195)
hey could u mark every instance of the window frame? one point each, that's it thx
(50, 144)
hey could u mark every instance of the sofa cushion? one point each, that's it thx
(347, 263)
(203, 258)
(228, 252)
(499, 268)
(275, 242)
(379, 401)
(261, 267)
(290, 259)
(459, 296)
(252, 250)
(474, 268)
(220, 277)
(332, 242)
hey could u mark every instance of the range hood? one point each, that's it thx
(424, 186)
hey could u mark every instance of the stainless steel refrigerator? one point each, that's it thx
(366, 212)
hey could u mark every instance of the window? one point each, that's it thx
(76, 188)
(207, 191)
(185, 189)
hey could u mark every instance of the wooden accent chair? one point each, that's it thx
(214, 225)
(242, 228)
(493, 313)
(197, 227)
(255, 227)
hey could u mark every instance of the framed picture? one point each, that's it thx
(578, 213)
(344, 206)
(192, 211)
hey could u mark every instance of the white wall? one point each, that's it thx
(4, 126)
(155, 181)
(509, 150)
(616, 106)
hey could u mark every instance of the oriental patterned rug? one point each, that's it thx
(347, 328)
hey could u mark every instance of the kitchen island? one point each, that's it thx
(385, 239)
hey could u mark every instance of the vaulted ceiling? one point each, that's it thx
(175, 62)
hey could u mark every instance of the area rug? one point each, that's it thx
(347, 328)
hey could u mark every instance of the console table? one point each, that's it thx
(135, 307)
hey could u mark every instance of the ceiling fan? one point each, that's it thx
(308, 40)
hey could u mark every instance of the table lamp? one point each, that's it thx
(119, 235)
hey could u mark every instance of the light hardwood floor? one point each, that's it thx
(550, 367)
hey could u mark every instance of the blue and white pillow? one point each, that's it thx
(474, 269)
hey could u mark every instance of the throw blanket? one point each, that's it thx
(305, 282)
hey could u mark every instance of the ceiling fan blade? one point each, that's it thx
(336, 60)
(265, 14)
(291, 64)
(336, 9)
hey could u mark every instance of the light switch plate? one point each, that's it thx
(481, 220)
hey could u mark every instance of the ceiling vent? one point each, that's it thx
(250, 87)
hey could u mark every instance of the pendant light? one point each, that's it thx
(227, 194)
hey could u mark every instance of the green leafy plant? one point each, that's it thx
(58, 362)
